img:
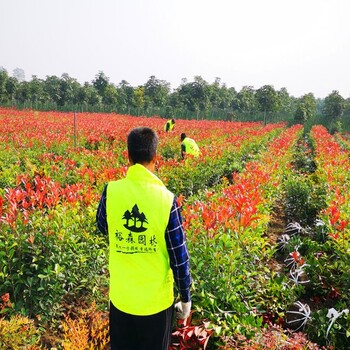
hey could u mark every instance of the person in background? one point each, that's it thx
(169, 125)
(147, 251)
(188, 146)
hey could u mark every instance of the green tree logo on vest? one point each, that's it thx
(136, 218)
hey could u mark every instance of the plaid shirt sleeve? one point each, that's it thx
(101, 215)
(178, 253)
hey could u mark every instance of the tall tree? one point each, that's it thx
(189, 96)
(87, 94)
(11, 88)
(100, 82)
(334, 105)
(214, 91)
(174, 101)
(23, 92)
(306, 108)
(36, 88)
(227, 95)
(139, 97)
(268, 99)
(52, 87)
(246, 100)
(286, 102)
(125, 96)
(202, 87)
(3, 81)
(156, 92)
(69, 88)
(110, 96)
(195, 96)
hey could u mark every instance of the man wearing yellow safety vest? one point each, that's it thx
(188, 146)
(169, 125)
(147, 251)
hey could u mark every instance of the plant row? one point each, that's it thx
(309, 248)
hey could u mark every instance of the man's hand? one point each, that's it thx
(183, 310)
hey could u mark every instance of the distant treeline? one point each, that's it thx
(197, 99)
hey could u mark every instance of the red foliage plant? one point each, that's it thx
(187, 336)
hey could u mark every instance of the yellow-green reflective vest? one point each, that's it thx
(171, 125)
(138, 209)
(191, 147)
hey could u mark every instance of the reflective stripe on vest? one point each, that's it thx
(191, 147)
(138, 209)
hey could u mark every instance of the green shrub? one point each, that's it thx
(233, 286)
(55, 257)
(331, 331)
(303, 156)
(304, 198)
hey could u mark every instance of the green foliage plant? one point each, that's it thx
(304, 198)
(54, 257)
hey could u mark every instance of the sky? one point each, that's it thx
(302, 45)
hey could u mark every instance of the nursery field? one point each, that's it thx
(267, 218)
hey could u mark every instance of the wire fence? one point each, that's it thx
(227, 114)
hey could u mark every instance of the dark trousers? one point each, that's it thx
(130, 332)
